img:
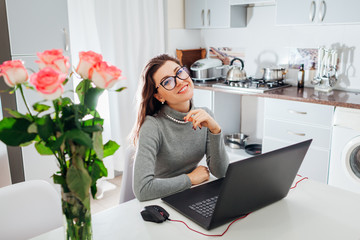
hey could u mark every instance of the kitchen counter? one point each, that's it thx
(334, 98)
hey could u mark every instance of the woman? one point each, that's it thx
(171, 135)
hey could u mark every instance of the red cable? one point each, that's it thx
(298, 182)
(220, 235)
(210, 235)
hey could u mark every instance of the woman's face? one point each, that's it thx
(183, 90)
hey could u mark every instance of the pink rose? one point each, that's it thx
(87, 60)
(48, 82)
(103, 75)
(13, 72)
(54, 59)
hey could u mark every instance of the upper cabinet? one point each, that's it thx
(290, 12)
(37, 25)
(213, 14)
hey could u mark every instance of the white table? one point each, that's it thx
(310, 211)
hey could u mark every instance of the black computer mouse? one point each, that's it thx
(154, 213)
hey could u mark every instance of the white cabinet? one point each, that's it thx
(226, 108)
(289, 122)
(290, 12)
(37, 25)
(213, 14)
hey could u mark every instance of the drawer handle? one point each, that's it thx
(297, 134)
(297, 112)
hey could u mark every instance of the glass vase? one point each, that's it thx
(77, 216)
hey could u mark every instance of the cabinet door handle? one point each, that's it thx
(202, 17)
(322, 10)
(295, 133)
(208, 16)
(67, 40)
(296, 112)
(312, 11)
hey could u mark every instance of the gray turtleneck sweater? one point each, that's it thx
(168, 150)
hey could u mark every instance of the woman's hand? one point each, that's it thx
(199, 175)
(200, 118)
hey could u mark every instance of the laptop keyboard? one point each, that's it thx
(205, 207)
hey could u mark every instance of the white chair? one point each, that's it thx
(28, 209)
(126, 189)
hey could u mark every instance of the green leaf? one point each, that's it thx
(120, 89)
(79, 181)
(40, 107)
(94, 121)
(79, 137)
(32, 128)
(92, 96)
(82, 88)
(65, 82)
(13, 131)
(98, 145)
(42, 149)
(55, 146)
(59, 179)
(91, 129)
(110, 148)
(14, 113)
(45, 127)
(98, 171)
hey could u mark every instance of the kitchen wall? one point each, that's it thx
(266, 44)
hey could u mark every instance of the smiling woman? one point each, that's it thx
(172, 135)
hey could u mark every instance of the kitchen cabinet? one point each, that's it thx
(292, 12)
(238, 2)
(213, 14)
(37, 25)
(288, 122)
(220, 104)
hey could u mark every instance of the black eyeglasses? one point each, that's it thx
(169, 83)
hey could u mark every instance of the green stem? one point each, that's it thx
(23, 97)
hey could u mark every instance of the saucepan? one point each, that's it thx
(273, 74)
(236, 140)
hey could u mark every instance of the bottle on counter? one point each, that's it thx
(312, 72)
(301, 76)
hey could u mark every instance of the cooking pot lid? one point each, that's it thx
(206, 63)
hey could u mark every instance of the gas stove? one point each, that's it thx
(252, 85)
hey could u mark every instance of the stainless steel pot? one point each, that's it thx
(236, 140)
(236, 73)
(273, 74)
(206, 69)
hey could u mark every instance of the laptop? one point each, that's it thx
(249, 184)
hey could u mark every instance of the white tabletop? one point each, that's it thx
(310, 211)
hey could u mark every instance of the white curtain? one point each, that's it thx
(127, 33)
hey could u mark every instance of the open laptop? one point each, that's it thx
(249, 185)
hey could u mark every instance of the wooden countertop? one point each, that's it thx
(334, 98)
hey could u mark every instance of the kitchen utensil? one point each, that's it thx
(273, 74)
(236, 140)
(253, 149)
(236, 73)
(206, 69)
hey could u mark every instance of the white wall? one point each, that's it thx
(267, 44)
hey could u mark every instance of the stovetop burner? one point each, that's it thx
(252, 85)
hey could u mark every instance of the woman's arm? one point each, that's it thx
(146, 185)
(216, 156)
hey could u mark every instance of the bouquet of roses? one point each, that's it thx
(58, 126)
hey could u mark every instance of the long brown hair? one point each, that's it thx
(147, 104)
